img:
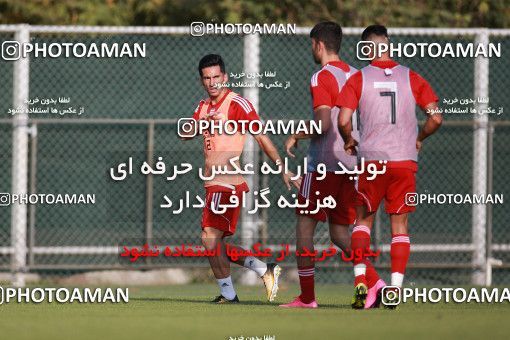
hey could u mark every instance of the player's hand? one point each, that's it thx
(288, 181)
(419, 144)
(350, 147)
(289, 144)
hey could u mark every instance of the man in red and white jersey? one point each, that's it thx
(326, 150)
(385, 95)
(225, 105)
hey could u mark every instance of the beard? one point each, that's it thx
(316, 58)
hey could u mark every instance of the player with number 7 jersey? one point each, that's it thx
(385, 94)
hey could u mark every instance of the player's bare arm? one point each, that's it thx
(270, 150)
(345, 127)
(432, 124)
(322, 116)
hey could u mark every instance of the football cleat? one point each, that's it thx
(297, 303)
(374, 295)
(360, 296)
(270, 279)
(222, 299)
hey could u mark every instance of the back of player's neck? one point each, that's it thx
(329, 59)
(383, 58)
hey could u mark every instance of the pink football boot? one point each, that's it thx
(297, 303)
(374, 295)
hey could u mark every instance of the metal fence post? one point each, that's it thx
(33, 190)
(490, 172)
(20, 163)
(149, 189)
(479, 222)
(249, 225)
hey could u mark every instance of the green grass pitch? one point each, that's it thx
(183, 312)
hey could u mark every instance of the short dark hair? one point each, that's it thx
(330, 33)
(211, 60)
(378, 30)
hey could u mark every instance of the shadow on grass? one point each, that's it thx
(241, 303)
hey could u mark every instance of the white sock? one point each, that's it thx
(227, 288)
(256, 265)
(397, 279)
(360, 269)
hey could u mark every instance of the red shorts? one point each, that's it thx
(339, 186)
(219, 194)
(394, 186)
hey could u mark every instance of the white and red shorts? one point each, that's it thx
(220, 194)
(339, 186)
(393, 186)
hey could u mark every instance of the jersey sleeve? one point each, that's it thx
(323, 88)
(242, 109)
(422, 91)
(351, 92)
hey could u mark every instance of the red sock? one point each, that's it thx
(400, 250)
(307, 283)
(371, 274)
(360, 239)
